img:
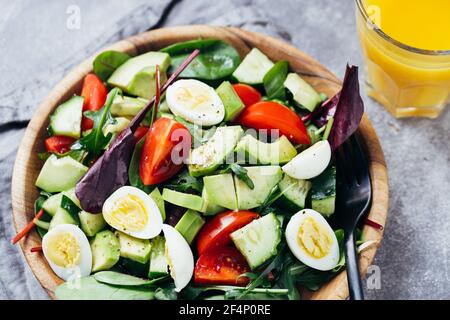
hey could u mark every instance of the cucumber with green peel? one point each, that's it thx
(105, 249)
(258, 240)
(303, 93)
(185, 200)
(42, 224)
(52, 203)
(294, 192)
(158, 261)
(91, 223)
(323, 192)
(231, 101)
(253, 68)
(66, 120)
(121, 123)
(62, 217)
(157, 197)
(209, 208)
(190, 224)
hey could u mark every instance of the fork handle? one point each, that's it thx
(353, 275)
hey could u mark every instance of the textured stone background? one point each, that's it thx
(37, 50)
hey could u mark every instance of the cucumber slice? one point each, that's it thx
(52, 204)
(303, 93)
(294, 192)
(184, 200)
(66, 120)
(190, 224)
(62, 217)
(258, 240)
(253, 68)
(323, 192)
(91, 223)
(158, 262)
(221, 191)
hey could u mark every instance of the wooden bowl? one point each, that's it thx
(27, 164)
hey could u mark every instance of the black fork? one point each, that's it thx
(354, 194)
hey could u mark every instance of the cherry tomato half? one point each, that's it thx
(248, 94)
(59, 144)
(94, 93)
(272, 115)
(216, 232)
(222, 265)
(165, 150)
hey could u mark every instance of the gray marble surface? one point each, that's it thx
(38, 49)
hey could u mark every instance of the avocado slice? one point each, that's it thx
(124, 106)
(134, 249)
(157, 197)
(303, 93)
(105, 249)
(264, 178)
(190, 224)
(253, 68)
(91, 223)
(59, 174)
(231, 101)
(185, 200)
(143, 83)
(278, 152)
(221, 191)
(123, 75)
(209, 208)
(120, 125)
(209, 156)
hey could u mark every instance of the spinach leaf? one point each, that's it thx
(184, 182)
(274, 80)
(45, 217)
(90, 289)
(230, 292)
(68, 205)
(216, 60)
(133, 171)
(166, 293)
(258, 294)
(107, 62)
(240, 172)
(95, 142)
(122, 279)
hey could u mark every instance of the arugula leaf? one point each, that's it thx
(95, 142)
(90, 289)
(184, 182)
(122, 279)
(133, 170)
(240, 172)
(274, 80)
(68, 205)
(107, 62)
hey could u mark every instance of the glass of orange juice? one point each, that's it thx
(406, 49)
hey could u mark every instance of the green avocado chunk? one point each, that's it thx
(231, 101)
(105, 249)
(185, 200)
(221, 191)
(143, 83)
(190, 224)
(134, 249)
(279, 152)
(91, 223)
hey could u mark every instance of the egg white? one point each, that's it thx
(325, 263)
(179, 257)
(154, 222)
(201, 104)
(84, 266)
(310, 162)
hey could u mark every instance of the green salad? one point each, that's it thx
(193, 173)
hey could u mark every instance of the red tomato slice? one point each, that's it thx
(216, 232)
(140, 132)
(222, 265)
(271, 115)
(59, 144)
(165, 150)
(248, 94)
(94, 93)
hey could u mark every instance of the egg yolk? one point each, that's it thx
(64, 250)
(314, 239)
(128, 214)
(194, 98)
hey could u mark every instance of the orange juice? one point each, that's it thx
(406, 48)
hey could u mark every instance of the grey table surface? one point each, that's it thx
(40, 43)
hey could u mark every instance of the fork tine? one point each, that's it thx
(360, 160)
(341, 168)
